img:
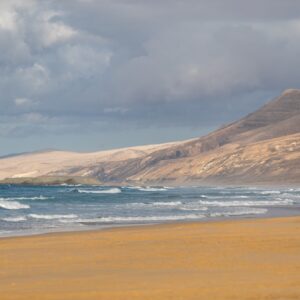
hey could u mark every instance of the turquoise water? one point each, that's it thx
(37, 209)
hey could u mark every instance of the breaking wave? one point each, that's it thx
(14, 219)
(225, 197)
(135, 219)
(52, 217)
(247, 203)
(193, 206)
(270, 192)
(31, 198)
(12, 204)
(171, 203)
(151, 189)
(110, 191)
(241, 212)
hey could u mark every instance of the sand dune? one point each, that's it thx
(60, 163)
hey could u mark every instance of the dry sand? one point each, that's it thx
(241, 259)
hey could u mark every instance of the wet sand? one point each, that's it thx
(237, 259)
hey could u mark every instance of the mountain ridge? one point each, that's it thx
(257, 148)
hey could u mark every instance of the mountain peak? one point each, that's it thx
(288, 92)
(278, 117)
(285, 106)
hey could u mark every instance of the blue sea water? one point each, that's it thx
(26, 210)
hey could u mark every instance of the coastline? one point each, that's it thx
(272, 213)
(30, 210)
(254, 258)
(94, 181)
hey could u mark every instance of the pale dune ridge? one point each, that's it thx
(47, 163)
(261, 148)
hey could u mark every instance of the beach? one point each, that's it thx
(234, 259)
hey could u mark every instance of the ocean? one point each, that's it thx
(27, 210)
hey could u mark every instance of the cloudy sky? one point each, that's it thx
(96, 74)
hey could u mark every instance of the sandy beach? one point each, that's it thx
(238, 259)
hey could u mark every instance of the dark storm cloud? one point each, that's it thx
(78, 65)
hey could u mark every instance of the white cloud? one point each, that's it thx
(7, 20)
(136, 62)
(20, 102)
(34, 118)
(52, 32)
(83, 60)
(34, 78)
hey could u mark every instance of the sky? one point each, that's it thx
(86, 75)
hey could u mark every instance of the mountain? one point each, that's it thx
(261, 148)
(54, 163)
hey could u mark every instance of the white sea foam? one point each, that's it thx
(52, 217)
(14, 219)
(30, 198)
(270, 192)
(151, 189)
(241, 212)
(181, 206)
(294, 190)
(225, 197)
(248, 203)
(109, 191)
(290, 196)
(150, 205)
(7, 204)
(150, 218)
(135, 219)
(171, 203)
(148, 188)
(132, 187)
(193, 207)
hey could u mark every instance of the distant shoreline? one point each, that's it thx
(67, 180)
(275, 213)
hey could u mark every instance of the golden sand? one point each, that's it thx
(247, 259)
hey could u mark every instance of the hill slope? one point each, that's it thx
(263, 147)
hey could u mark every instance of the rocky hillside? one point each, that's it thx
(261, 148)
